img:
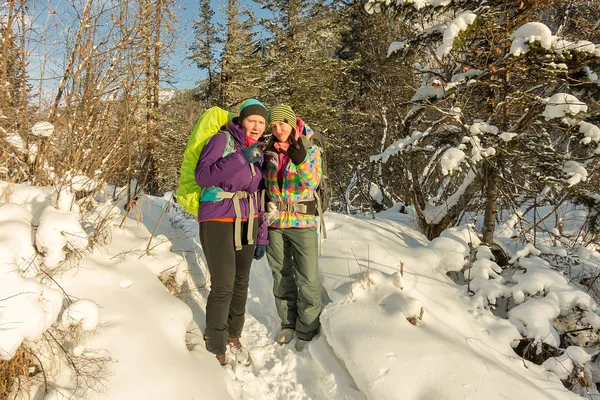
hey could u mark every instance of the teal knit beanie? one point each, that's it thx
(252, 107)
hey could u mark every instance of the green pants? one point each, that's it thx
(293, 257)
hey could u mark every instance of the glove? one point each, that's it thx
(296, 152)
(251, 153)
(260, 251)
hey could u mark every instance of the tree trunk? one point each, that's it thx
(491, 205)
(72, 57)
(7, 42)
(152, 66)
(434, 230)
(157, 47)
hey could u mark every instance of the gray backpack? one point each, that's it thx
(324, 188)
(323, 191)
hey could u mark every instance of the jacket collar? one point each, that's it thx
(237, 131)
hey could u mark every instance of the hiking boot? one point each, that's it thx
(285, 336)
(222, 358)
(235, 343)
(301, 344)
(238, 351)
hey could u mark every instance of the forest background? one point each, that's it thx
(452, 130)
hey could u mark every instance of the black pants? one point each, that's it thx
(229, 275)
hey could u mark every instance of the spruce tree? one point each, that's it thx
(240, 71)
(206, 38)
(369, 91)
(286, 52)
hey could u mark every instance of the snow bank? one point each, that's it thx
(534, 319)
(376, 274)
(541, 294)
(485, 278)
(563, 365)
(84, 312)
(385, 354)
(57, 229)
(452, 246)
(78, 181)
(28, 308)
(137, 323)
(34, 199)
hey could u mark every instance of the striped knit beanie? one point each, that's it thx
(282, 113)
(252, 107)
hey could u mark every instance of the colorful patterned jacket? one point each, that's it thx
(298, 184)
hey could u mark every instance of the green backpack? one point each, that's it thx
(210, 122)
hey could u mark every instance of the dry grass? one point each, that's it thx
(170, 282)
(16, 371)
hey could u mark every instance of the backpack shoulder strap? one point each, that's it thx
(306, 141)
(229, 145)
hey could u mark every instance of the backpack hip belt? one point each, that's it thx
(303, 207)
(218, 194)
(308, 207)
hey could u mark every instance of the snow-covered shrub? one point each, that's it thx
(574, 369)
(21, 365)
(38, 337)
(557, 319)
(503, 114)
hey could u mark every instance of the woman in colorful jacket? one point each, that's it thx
(231, 225)
(292, 172)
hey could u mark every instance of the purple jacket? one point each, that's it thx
(231, 173)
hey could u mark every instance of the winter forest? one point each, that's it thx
(462, 139)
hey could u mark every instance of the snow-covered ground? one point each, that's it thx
(377, 275)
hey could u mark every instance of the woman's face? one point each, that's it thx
(254, 126)
(281, 130)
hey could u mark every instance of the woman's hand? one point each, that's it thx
(251, 153)
(296, 152)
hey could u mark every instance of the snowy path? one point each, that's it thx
(366, 349)
(280, 372)
(277, 372)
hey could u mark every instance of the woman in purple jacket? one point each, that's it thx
(232, 230)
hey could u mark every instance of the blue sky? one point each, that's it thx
(185, 71)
